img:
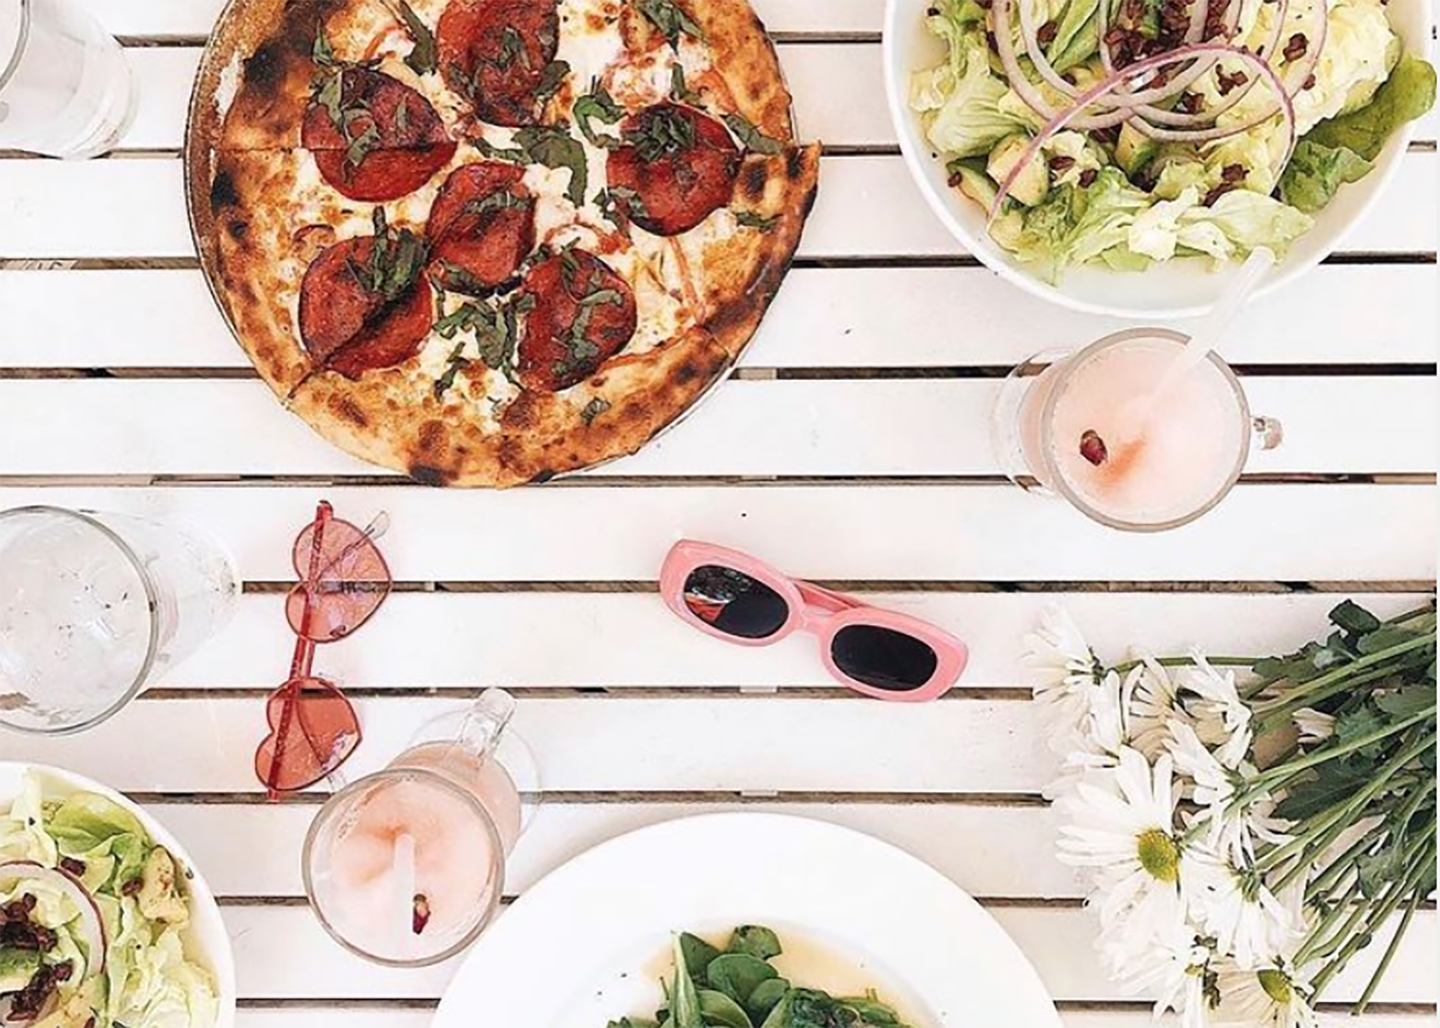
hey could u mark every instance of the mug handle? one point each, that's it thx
(485, 723)
(1269, 434)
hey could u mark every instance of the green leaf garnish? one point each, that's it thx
(751, 137)
(424, 59)
(757, 221)
(457, 364)
(593, 410)
(661, 132)
(552, 77)
(598, 105)
(322, 53)
(680, 91)
(397, 257)
(554, 147)
(670, 19)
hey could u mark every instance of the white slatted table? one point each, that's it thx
(861, 408)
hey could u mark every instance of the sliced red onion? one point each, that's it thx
(1026, 90)
(1030, 34)
(92, 927)
(1069, 116)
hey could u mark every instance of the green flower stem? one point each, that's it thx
(1274, 777)
(1131, 665)
(1363, 911)
(1265, 723)
(1338, 813)
(1331, 876)
(1364, 1001)
(1321, 931)
(1307, 690)
(1380, 913)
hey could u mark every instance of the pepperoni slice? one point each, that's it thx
(350, 329)
(680, 165)
(584, 314)
(495, 52)
(388, 142)
(481, 226)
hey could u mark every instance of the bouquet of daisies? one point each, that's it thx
(1248, 824)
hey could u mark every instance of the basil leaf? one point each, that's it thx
(457, 364)
(757, 221)
(593, 410)
(322, 53)
(661, 132)
(670, 19)
(551, 79)
(554, 147)
(680, 91)
(424, 59)
(599, 105)
(751, 137)
(500, 200)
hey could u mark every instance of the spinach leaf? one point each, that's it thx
(1407, 94)
(1354, 618)
(698, 954)
(1316, 172)
(684, 998)
(755, 940)
(871, 1010)
(720, 1011)
(738, 974)
(765, 998)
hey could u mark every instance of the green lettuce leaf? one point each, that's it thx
(1317, 172)
(1407, 94)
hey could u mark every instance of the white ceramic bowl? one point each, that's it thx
(1174, 289)
(206, 940)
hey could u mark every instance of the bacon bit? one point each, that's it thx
(1234, 173)
(1191, 103)
(1309, 81)
(1093, 448)
(420, 913)
(72, 866)
(1230, 81)
(132, 887)
(1088, 177)
(955, 180)
(1219, 191)
(1060, 163)
(1047, 33)
(1297, 47)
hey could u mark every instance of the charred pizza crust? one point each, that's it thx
(245, 169)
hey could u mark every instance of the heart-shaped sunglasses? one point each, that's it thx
(343, 580)
(877, 652)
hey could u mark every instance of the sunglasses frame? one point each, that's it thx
(816, 611)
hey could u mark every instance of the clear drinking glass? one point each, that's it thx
(65, 88)
(1078, 425)
(93, 606)
(406, 867)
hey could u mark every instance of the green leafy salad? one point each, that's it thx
(91, 916)
(739, 987)
(1125, 132)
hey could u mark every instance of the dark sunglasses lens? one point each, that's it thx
(734, 603)
(883, 658)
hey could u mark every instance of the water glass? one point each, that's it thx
(65, 87)
(95, 605)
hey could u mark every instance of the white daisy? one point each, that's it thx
(1234, 906)
(1173, 971)
(1265, 997)
(1097, 739)
(1314, 725)
(1152, 704)
(1067, 673)
(1124, 830)
(1222, 718)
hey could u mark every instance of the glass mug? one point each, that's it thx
(65, 88)
(405, 867)
(1081, 426)
(95, 605)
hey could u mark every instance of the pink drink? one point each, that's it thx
(407, 866)
(1087, 432)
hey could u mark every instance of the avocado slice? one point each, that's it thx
(17, 967)
(1033, 182)
(1134, 150)
(970, 178)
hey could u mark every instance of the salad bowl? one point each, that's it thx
(1176, 288)
(205, 938)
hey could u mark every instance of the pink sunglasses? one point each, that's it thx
(877, 652)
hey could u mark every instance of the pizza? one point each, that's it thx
(488, 242)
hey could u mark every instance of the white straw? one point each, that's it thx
(1210, 332)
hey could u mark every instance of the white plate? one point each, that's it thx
(1173, 289)
(590, 942)
(206, 940)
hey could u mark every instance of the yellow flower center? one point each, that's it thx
(1275, 984)
(1159, 855)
